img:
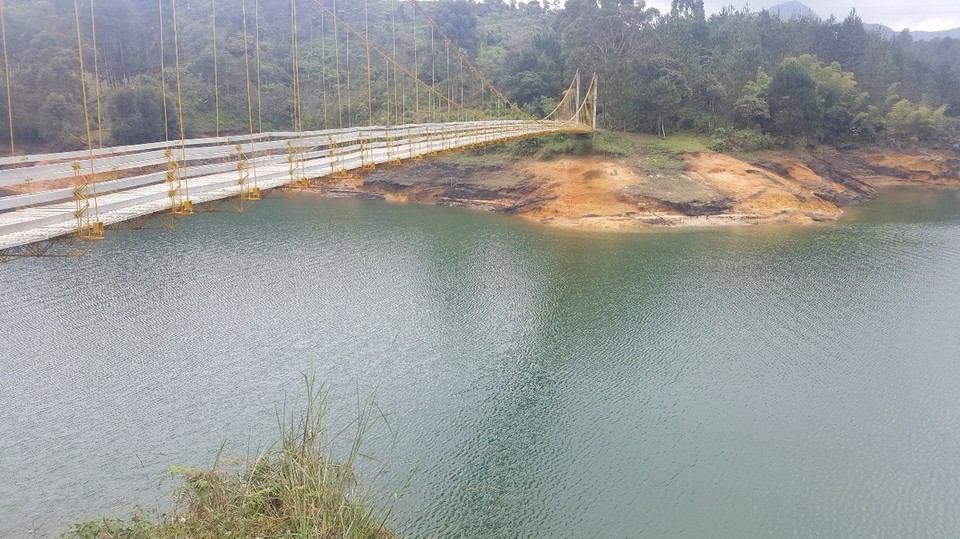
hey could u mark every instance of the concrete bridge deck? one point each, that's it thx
(210, 169)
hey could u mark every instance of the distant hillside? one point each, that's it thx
(927, 36)
(917, 35)
(792, 9)
(658, 78)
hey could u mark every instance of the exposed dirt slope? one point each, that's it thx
(651, 189)
(706, 189)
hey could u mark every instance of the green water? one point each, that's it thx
(744, 382)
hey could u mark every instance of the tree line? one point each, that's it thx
(755, 80)
(750, 80)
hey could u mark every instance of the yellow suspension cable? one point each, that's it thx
(366, 34)
(476, 71)
(163, 80)
(96, 74)
(185, 201)
(583, 115)
(336, 53)
(449, 90)
(461, 83)
(346, 41)
(83, 86)
(256, 20)
(392, 60)
(566, 94)
(403, 100)
(246, 64)
(482, 104)
(295, 53)
(6, 70)
(476, 95)
(433, 75)
(216, 68)
(297, 176)
(323, 69)
(416, 71)
(86, 228)
(396, 104)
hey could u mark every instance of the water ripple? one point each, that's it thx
(755, 382)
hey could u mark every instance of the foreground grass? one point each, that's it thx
(292, 489)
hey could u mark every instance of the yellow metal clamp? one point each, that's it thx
(295, 158)
(87, 228)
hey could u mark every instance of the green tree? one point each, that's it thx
(794, 105)
(664, 98)
(840, 98)
(136, 115)
(852, 41)
(58, 122)
(457, 20)
(536, 70)
(916, 121)
(622, 105)
(752, 110)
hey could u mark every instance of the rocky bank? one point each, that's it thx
(702, 189)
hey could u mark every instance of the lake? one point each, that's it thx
(738, 382)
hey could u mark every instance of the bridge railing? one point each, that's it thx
(329, 152)
(196, 158)
(122, 158)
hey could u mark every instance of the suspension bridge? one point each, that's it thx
(66, 201)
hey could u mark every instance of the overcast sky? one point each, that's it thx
(897, 14)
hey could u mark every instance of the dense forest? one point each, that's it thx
(749, 80)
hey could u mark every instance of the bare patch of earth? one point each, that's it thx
(704, 188)
(690, 189)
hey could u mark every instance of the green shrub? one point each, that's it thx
(740, 140)
(292, 489)
(527, 147)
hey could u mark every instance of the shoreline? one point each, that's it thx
(647, 187)
(621, 181)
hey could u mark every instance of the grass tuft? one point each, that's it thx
(678, 143)
(294, 488)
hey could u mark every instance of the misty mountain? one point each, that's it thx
(792, 8)
(918, 35)
(927, 36)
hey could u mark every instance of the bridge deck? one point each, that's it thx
(211, 169)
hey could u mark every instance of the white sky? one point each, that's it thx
(897, 14)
